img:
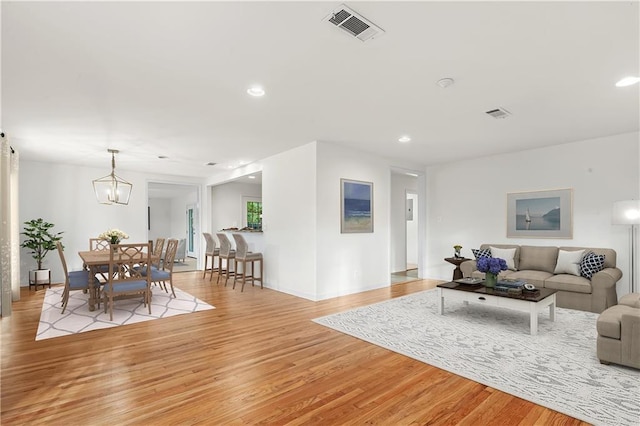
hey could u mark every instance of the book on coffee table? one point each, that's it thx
(510, 283)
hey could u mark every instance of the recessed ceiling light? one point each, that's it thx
(404, 139)
(251, 177)
(411, 174)
(627, 81)
(162, 157)
(210, 163)
(256, 91)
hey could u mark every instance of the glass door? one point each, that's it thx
(192, 221)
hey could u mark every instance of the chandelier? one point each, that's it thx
(112, 189)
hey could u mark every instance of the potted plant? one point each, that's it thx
(40, 239)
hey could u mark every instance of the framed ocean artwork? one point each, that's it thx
(356, 207)
(540, 214)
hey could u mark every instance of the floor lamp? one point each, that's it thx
(628, 213)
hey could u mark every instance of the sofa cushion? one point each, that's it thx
(566, 282)
(507, 254)
(608, 324)
(480, 253)
(609, 254)
(569, 262)
(538, 258)
(536, 278)
(591, 263)
(505, 246)
(631, 299)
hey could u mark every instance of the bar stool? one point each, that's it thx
(245, 256)
(227, 253)
(211, 252)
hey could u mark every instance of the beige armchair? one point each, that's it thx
(619, 332)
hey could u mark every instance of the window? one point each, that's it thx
(254, 214)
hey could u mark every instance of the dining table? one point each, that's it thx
(95, 261)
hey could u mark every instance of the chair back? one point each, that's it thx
(157, 251)
(211, 244)
(99, 244)
(62, 260)
(170, 256)
(225, 245)
(242, 248)
(158, 247)
(126, 263)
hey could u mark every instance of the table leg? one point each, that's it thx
(92, 289)
(533, 319)
(457, 273)
(552, 308)
(440, 302)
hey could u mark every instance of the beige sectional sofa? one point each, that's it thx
(619, 332)
(536, 265)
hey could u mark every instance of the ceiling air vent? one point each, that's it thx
(498, 113)
(354, 24)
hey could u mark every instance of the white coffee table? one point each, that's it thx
(480, 295)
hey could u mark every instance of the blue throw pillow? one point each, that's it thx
(480, 253)
(591, 263)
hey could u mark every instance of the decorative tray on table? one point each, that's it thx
(470, 281)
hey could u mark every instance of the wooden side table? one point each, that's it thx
(457, 273)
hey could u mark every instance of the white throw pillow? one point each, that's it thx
(506, 254)
(569, 262)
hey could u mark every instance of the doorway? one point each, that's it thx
(173, 212)
(410, 247)
(412, 231)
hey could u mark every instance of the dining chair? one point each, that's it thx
(164, 275)
(226, 253)
(74, 280)
(100, 244)
(157, 252)
(244, 256)
(126, 263)
(212, 252)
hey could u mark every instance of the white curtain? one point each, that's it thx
(9, 228)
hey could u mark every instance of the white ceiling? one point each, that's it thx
(170, 78)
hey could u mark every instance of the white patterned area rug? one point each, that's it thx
(77, 318)
(557, 369)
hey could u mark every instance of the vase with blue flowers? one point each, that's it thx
(491, 266)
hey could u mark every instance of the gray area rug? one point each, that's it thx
(77, 318)
(557, 369)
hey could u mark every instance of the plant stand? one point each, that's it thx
(39, 277)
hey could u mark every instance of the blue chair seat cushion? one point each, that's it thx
(127, 286)
(143, 270)
(80, 279)
(160, 275)
(102, 268)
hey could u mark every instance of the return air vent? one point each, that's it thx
(354, 24)
(498, 113)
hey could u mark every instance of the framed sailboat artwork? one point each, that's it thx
(540, 214)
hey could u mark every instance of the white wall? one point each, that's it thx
(288, 220)
(473, 211)
(160, 215)
(400, 184)
(350, 263)
(63, 194)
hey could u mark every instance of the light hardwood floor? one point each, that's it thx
(256, 359)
